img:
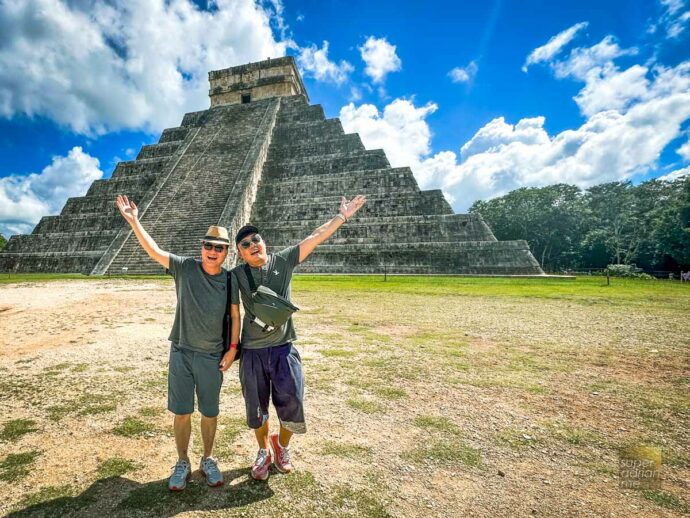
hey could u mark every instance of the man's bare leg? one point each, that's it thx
(208, 433)
(284, 437)
(182, 426)
(262, 435)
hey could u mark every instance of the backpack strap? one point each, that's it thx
(227, 319)
(250, 278)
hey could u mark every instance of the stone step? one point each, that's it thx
(79, 223)
(114, 186)
(173, 134)
(421, 203)
(478, 257)
(61, 242)
(331, 164)
(301, 114)
(301, 131)
(159, 150)
(95, 204)
(138, 167)
(405, 229)
(347, 143)
(352, 182)
(194, 118)
(26, 262)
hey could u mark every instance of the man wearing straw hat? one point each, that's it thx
(197, 361)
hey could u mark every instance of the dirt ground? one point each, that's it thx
(417, 405)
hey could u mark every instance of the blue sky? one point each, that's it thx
(478, 98)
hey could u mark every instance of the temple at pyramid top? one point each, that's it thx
(262, 154)
(255, 81)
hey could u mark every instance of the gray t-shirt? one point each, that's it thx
(277, 275)
(201, 300)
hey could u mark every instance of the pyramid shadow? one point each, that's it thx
(118, 496)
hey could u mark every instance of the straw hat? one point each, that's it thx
(217, 235)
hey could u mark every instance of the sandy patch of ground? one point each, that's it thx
(466, 406)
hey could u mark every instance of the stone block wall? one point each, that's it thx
(401, 229)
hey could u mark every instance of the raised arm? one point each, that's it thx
(318, 236)
(130, 212)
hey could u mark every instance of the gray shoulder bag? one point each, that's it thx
(270, 309)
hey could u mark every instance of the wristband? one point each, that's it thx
(233, 346)
(341, 217)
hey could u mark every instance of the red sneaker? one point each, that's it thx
(281, 455)
(261, 465)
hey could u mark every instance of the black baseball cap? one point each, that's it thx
(244, 232)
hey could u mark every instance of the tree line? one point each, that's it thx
(568, 228)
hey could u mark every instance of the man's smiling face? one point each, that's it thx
(252, 249)
(213, 259)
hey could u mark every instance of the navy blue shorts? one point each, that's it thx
(274, 372)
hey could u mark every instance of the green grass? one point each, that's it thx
(16, 465)
(438, 424)
(229, 429)
(667, 501)
(368, 407)
(150, 411)
(116, 467)
(133, 427)
(447, 452)
(365, 503)
(345, 450)
(16, 429)
(584, 289)
(337, 353)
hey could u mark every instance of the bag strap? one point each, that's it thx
(250, 278)
(228, 318)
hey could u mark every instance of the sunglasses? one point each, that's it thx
(246, 243)
(217, 248)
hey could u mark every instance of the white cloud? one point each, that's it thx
(401, 130)
(314, 61)
(380, 58)
(551, 48)
(100, 66)
(583, 62)
(611, 145)
(606, 86)
(684, 151)
(674, 19)
(675, 175)
(25, 199)
(464, 75)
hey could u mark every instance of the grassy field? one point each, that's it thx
(426, 396)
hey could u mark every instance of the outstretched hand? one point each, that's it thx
(348, 208)
(127, 208)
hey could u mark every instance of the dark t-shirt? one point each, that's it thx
(276, 274)
(201, 300)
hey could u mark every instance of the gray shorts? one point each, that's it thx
(191, 371)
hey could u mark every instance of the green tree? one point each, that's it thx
(548, 218)
(3, 242)
(612, 225)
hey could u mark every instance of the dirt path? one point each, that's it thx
(514, 407)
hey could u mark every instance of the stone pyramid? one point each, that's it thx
(263, 154)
